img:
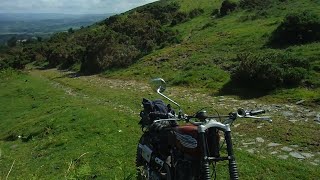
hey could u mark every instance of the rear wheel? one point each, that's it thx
(141, 164)
(144, 170)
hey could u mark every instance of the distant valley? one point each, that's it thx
(24, 26)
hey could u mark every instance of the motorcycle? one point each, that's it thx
(170, 151)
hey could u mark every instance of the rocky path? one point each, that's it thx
(293, 115)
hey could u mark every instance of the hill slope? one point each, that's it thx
(59, 125)
(191, 44)
(212, 47)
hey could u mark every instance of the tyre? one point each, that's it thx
(144, 170)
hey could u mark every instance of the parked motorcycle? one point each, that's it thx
(170, 151)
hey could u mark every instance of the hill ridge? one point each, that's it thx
(189, 43)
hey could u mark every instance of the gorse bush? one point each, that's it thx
(59, 37)
(256, 72)
(294, 70)
(254, 4)
(12, 41)
(15, 58)
(266, 72)
(215, 12)
(162, 12)
(260, 14)
(108, 49)
(227, 6)
(114, 43)
(180, 17)
(297, 28)
(196, 12)
(16, 62)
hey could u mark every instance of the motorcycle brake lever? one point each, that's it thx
(265, 118)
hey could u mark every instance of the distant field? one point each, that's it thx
(43, 25)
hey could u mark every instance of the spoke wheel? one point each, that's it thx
(143, 170)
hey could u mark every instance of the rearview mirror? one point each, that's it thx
(158, 85)
(241, 112)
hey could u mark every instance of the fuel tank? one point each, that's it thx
(187, 140)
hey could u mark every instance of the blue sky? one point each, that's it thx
(69, 6)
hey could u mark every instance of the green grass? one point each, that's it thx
(210, 52)
(253, 166)
(62, 128)
(188, 5)
(87, 127)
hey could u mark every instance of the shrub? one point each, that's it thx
(16, 62)
(210, 24)
(12, 41)
(162, 12)
(254, 4)
(295, 70)
(215, 12)
(115, 56)
(59, 37)
(267, 72)
(258, 15)
(286, 61)
(114, 43)
(227, 7)
(112, 19)
(196, 12)
(180, 17)
(297, 28)
(70, 31)
(316, 67)
(257, 72)
(294, 76)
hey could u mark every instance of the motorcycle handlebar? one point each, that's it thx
(230, 118)
(251, 114)
(256, 112)
(243, 113)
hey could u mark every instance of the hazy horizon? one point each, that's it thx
(73, 7)
(27, 17)
(55, 13)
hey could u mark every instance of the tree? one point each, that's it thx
(70, 31)
(39, 38)
(12, 42)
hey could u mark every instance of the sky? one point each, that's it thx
(69, 6)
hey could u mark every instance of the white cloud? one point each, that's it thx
(70, 6)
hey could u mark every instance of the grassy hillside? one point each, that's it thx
(55, 125)
(211, 47)
(249, 48)
(59, 125)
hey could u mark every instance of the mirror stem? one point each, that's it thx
(158, 91)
